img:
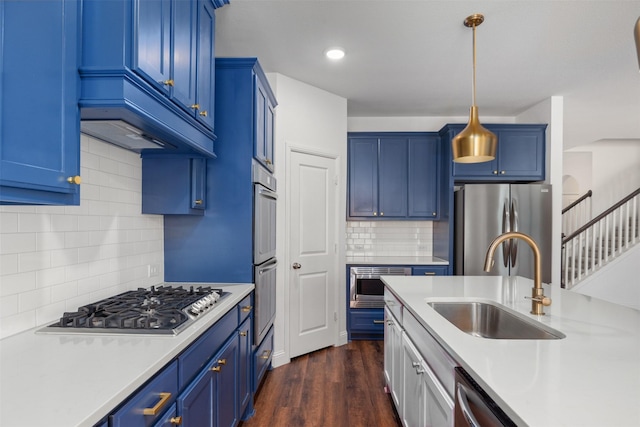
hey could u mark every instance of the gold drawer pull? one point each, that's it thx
(164, 399)
(216, 369)
(378, 322)
(222, 361)
(176, 420)
(243, 333)
(74, 180)
(198, 201)
(168, 82)
(247, 308)
(203, 113)
(195, 106)
(429, 273)
(265, 354)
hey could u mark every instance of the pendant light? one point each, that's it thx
(475, 144)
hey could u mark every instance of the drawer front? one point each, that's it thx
(196, 356)
(434, 355)
(262, 358)
(245, 308)
(431, 270)
(367, 320)
(149, 403)
(394, 305)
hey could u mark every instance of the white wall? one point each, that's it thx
(617, 282)
(613, 173)
(57, 258)
(550, 111)
(312, 119)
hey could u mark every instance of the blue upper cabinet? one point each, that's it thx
(393, 175)
(150, 63)
(264, 128)
(520, 155)
(39, 83)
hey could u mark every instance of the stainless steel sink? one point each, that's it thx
(487, 320)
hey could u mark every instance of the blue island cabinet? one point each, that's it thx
(39, 83)
(393, 175)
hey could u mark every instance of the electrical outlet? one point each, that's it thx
(152, 270)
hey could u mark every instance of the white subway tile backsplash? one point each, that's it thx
(389, 238)
(57, 258)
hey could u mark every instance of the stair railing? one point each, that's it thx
(601, 240)
(576, 214)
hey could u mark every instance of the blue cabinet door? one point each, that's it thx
(521, 153)
(264, 128)
(39, 83)
(205, 98)
(196, 403)
(244, 368)
(392, 177)
(424, 171)
(183, 54)
(363, 177)
(227, 407)
(152, 35)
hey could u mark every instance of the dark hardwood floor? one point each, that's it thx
(336, 386)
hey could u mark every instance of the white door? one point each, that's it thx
(312, 245)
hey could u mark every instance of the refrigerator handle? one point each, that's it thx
(506, 227)
(514, 227)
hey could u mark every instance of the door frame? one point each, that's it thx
(340, 338)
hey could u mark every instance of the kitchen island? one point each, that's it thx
(591, 377)
(78, 379)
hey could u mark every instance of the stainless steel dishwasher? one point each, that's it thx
(474, 407)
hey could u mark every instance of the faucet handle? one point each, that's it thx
(546, 301)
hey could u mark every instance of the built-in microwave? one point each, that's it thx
(366, 289)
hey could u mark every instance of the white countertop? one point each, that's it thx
(589, 378)
(396, 260)
(76, 379)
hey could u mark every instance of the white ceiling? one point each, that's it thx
(413, 57)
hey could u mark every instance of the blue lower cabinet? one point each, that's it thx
(149, 403)
(262, 359)
(208, 385)
(366, 323)
(437, 270)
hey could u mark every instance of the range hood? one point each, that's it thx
(123, 134)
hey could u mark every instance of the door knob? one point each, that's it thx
(296, 266)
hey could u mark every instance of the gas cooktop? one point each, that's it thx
(164, 309)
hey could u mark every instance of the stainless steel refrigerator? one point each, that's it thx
(484, 211)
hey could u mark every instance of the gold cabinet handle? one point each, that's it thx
(216, 368)
(247, 308)
(168, 82)
(243, 333)
(378, 322)
(381, 213)
(495, 172)
(375, 214)
(503, 172)
(195, 106)
(429, 273)
(198, 201)
(203, 113)
(222, 361)
(74, 180)
(268, 161)
(265, 354)
(176, 420)
(164, 399)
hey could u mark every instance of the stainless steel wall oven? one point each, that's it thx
(366, 289)
(264, 251)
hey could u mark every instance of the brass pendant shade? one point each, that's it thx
(475, 144)
(636, 32)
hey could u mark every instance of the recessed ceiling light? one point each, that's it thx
(334, 53)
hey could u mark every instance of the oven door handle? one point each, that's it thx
(268, 266)
(267, 193)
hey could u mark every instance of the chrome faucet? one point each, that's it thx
(538, 300)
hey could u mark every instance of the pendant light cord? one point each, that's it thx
(474, 67)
